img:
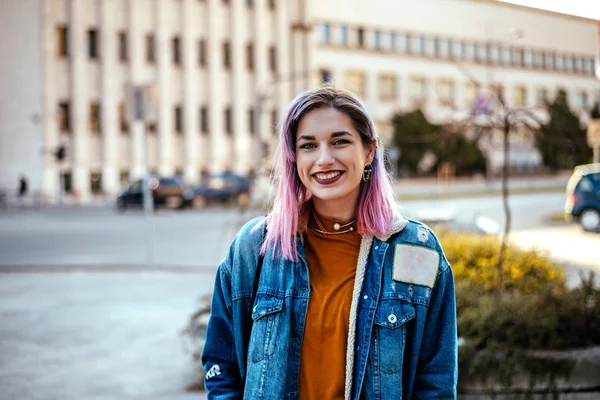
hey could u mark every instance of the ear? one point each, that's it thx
(370, 150)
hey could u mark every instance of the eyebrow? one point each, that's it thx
(333, 135)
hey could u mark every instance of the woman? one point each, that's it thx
(347, 299)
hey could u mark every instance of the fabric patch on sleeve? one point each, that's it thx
(415, 264)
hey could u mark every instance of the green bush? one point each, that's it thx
(535, 311)
(474, 258)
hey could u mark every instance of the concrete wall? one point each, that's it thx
(21, 108)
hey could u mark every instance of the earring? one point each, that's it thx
(367, 172)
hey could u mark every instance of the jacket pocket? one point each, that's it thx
(266, 321)
(391, 318)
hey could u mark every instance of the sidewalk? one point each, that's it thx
(97, 336)
(413, 188)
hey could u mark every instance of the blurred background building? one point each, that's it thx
(223, 71)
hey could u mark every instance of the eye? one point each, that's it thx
(308, 146)
(341, 142)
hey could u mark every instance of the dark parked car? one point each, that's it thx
(583, 197)
(166, 192)
(223, 188)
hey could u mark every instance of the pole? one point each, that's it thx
(146, 192)
(597, 154)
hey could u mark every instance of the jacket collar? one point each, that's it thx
(397, 226)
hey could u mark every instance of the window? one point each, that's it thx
(123, 46)
(178, 119)
(392, 41)
(124, 177)
(123, 117)
(64, 116)
(417, 91)
(228, 121)
(96, 182)
(468, 51)
(388, 85)
(470, 94)
(62, 41)
(436, 47)
(273, 59)
(250, 56)
(355, 81)
(581, 100)
(325, 33)
(520, 96)
(360, 38)
(480, 53)
(377, 40)
(150, 51)
(93, 44)
(272, 5)
(577, 67)
(67, 180)
(202, 52)
(204, 119)
(560, 63)
(325, 75)
(176, 50)
(406, 43)
(251, 120)
(497, 55)
(274, 120)
(446, 92)
(568, 64)
(529, 59)
(94, 117)
(541, 96)
(417, 44)
(227, 55)
(344, 35)
(250, 3)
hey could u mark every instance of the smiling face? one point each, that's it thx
(330, 160)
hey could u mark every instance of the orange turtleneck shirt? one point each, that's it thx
(332, 261)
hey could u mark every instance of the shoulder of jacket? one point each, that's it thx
(244, 249)
(418, 234)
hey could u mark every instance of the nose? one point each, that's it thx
(325, 157)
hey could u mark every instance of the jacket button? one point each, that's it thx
(392, 318)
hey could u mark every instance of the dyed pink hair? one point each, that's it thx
(289, 214)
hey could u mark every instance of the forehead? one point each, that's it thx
(324, 121)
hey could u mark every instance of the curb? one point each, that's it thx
(104, 268)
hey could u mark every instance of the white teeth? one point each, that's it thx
(328, 175)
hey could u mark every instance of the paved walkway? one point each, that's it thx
(97, 336)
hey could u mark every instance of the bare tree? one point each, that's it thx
(499, 116)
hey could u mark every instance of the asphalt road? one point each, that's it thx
(101, 236)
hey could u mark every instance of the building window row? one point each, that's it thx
(494, 53)
(63, 50)
(446, 90)
(64, 119)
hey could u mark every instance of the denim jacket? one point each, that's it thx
(402, 340)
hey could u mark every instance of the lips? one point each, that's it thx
(327, 178)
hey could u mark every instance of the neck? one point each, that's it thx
(334, 211)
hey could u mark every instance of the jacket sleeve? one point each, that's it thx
(437, 370)
(219, 358)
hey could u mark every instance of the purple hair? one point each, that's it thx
(290, 210)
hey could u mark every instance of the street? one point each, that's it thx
(92, 301)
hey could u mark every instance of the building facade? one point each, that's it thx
(432, 54)
(223, 71)
(211, 64)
